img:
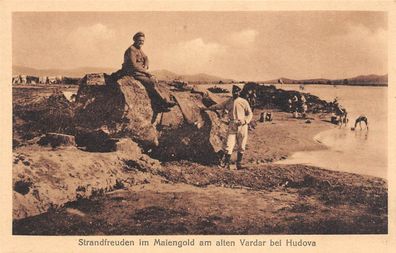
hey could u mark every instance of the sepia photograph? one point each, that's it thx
(199, 123)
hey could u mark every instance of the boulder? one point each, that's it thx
(190, 108)
(95, 140)
(94, 79)
(198, 137)
(122, 107)
(268, 96)
(56, 139)
(38, 114)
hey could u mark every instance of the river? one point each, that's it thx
(360, 151)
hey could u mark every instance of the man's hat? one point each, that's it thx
(137, 35)
(235, 89)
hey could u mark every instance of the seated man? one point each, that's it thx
(136, 64)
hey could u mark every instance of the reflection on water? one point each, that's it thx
(361, 135)
(361, 151)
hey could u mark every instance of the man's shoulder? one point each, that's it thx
(242, 100)
(132, 48)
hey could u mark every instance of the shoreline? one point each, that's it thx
(183, 197)
(314, 157)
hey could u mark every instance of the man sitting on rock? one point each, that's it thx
(136, 64)
(240, 114)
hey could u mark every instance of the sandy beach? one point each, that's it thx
(183, 197)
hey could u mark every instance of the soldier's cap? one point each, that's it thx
(137, 35)
(235, 89)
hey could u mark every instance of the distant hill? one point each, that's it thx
(362, 80)
(165, 75)
(80, 72)
(201, 77)
(77, 72)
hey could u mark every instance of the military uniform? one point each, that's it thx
(136, 64)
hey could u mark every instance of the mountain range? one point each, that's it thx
(369, 80)
(362, 80)
(80, 72)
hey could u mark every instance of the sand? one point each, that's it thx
(189, 198)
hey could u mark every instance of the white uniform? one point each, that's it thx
(240, 115)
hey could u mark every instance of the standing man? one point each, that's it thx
(239, 114)
(136, 64)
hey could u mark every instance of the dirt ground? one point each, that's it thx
(188, 198)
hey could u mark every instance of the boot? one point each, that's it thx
(224, 161)
(227, 161)
(170, 102)
(239, 160)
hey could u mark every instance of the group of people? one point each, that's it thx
(342, 116)
(298, 107)
(341, 113)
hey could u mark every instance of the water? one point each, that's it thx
(69, 94)
(359, 151)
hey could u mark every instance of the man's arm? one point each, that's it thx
(135, 65)
(220, 106)
(248, 113)
(146, 62)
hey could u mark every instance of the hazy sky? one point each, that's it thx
(240, 45)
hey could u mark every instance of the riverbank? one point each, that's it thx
(182, 197)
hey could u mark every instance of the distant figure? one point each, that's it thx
(136, 64)
(268, 116)
(251, 98)
(342, 115)
(303, 106)
(262, 117)
(289, 105)
(360, 119)
(294, 104)
(335, 102)
(265, 116)
(240, 115)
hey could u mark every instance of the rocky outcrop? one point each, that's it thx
(268, 96)
(120, 108)
(187, 132)
(38, 115)
(46, 178)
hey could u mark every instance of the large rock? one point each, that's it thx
(56, 140)
(268, 96)
(196, 136)
(35, 114)
(121, 108)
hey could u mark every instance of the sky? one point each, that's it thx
(240, 45)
